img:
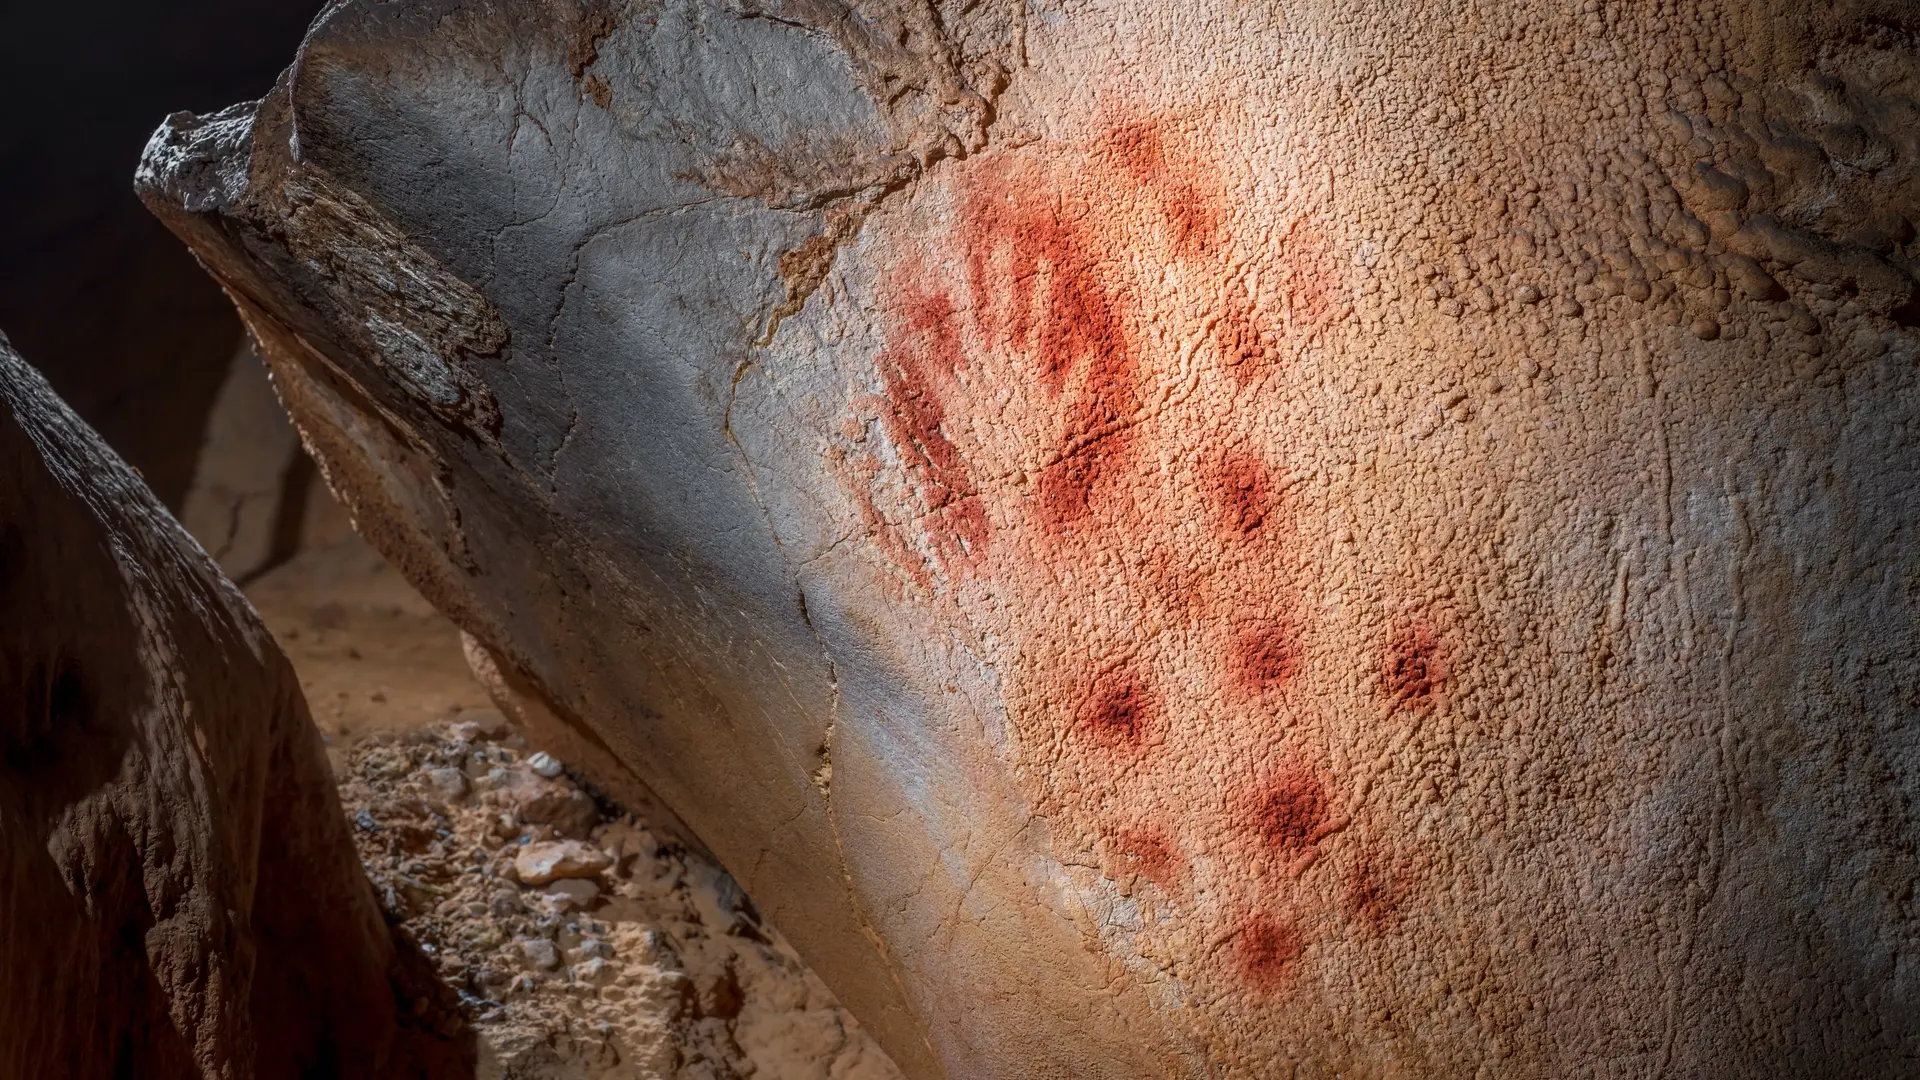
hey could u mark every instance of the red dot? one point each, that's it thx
(1244, 494)
(1415, 668)
(1147, 852)
(1066, 486)
(1293, 812)
(1137, 148)
(1265, 950)
(1119, 709)
(1194, 219)
(1370, 897)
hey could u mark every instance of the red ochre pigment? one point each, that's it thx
(1265, 949)
(1066, 488)
(1264, 656)
(1044, 299)
(1052, 272)
(922, 358)
(1188, 199)
(1243, 493)
(1372, 899)
(1137, 147)
(1146, 851)
(1119, 712)
(1292, 813)
(1055, 254)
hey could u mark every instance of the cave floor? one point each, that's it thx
(579, 944)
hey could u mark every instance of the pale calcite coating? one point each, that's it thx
(1168, 540)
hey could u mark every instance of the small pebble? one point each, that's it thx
(539, 953)
(447, 783)
(480, 725)
(540, 863)
(594, 971)
(590, 947)
(544, 764)
(488, 976)
(388, 763)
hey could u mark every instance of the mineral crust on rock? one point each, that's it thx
(178, 893)
(1359, 539)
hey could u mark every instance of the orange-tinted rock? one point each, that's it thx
(1165, 539)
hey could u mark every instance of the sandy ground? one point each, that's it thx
(372, 654)
(581, 945)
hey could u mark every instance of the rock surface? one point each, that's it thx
(551, 860)
(178, 893)
(255, 500)
(1164, 540)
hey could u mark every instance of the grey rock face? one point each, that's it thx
(1192, 540)
(178, 895)
(253, 486)
(653, 557)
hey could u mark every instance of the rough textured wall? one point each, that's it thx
(1191, 540)
(178, 894)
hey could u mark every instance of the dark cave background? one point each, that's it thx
(93, 291)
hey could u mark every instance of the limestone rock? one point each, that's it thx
(240, 500)
(178, 894)
(551, 860)
(255, 500)
(1164, 539)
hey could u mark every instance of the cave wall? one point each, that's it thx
(1223, 539)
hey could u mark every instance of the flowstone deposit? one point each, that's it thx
(1165, 540)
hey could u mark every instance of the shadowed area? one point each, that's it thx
(113, 310)
(178, 893)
